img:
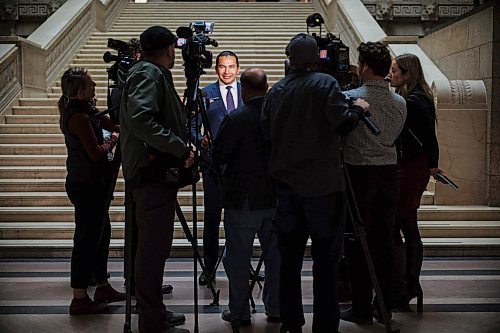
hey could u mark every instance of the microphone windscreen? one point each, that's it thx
(184, 32)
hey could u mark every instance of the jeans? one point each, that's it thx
(322, 219)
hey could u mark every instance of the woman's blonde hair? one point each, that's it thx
(72, 81)
(410, 64)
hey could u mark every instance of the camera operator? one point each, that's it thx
(134, 50)
(249, 199)
(153, 141)
(224, 96)
(371, 163)
(87, 181)
(303, 116)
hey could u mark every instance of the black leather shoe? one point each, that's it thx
(284, 329)
(352, 317)
(226, 316)
(273, 319)
(167, 289)
(174, 319)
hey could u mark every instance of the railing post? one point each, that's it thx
(461, 108)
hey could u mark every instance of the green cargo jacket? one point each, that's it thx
(151, 112)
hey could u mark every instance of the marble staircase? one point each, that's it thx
(35, 214)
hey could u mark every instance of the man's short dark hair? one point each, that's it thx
(227, 54)
(154, 40)
(302, 50)
(376, 56)
(254, 80)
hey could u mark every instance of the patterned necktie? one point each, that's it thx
(229, 100)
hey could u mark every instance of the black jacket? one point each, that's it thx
(303, 116)
(241, 146)
(419, 131)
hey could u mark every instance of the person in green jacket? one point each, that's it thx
(153, 140)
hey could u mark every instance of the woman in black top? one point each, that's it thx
(87, 182)
(418, 153)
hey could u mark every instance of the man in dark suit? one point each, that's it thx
(249, 198)
(224, 96)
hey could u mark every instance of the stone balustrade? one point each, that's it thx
(43, 55)
(10, 74)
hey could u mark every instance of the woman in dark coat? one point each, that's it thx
(87, 184)
(418, 155)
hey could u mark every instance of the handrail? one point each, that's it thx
(44, 54)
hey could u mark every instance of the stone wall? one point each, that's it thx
(470, 49)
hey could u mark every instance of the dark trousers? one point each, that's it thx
(212, 196)
(92, 233)
(154, 212)
(413, 178)
(375, 189)
(322, 219)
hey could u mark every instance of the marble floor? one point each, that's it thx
(461, 295)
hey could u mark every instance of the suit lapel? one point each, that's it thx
(219, 103)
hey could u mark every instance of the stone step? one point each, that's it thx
(33, 160)
(47, 199)
(49, 101)
(243, 57)
(30, 128)
(65, 230)
(33, 119)
(30, 139)
(37, 149)
(32, 172)
(92, 63)
(53, 198)
(61, 248)
(242, 51)
(57, 248)
(41, 110)
(65, 213)
(54, 185)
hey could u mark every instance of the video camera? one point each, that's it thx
(192, 41)
(333, 54)
(128, 54)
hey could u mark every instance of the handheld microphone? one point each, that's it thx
(387, 79)
(440, 177)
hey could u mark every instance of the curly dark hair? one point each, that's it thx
(376, 56)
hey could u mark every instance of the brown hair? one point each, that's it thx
(410, 64)
(72, 81)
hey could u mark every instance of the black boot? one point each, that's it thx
(400, 291)
(414, 258)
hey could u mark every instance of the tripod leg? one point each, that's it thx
(219, 259)
(190, 238)
(129, 216)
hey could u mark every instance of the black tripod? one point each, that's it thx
(359, 232)
(194, 105)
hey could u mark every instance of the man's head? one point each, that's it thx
(253, 83)
(157, 44)
(374, 60)
(302, 50)
(227, 67)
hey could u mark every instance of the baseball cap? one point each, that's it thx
(302, 49)
(156, 37)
